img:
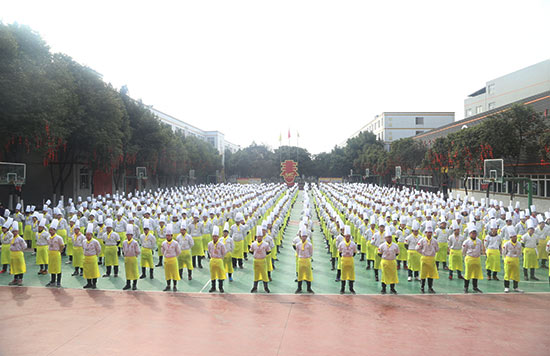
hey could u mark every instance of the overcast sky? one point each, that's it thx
(255, 69)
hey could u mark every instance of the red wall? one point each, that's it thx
(103, 183)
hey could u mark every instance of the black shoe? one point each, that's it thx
(266, 289)
(352, 291)
(212, 290)
(221, 289)
(106, 275)
(51, 284)
(134, 287)
(533, 278)
(298, 291)
(87, 286)
(466, 291)
(167, 289)
(393, 291)
(477, 290)
(309, 290)
(422, 290)
(142, 276)
(158, 264)
(174, 289)
(126, 287)
(376, 279)
(342, 291)
(383, 291)
(431, 290)
(254, 290)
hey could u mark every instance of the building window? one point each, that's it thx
(419, 132)
(468, 112)
(84, 178)
(419, 120)
(479, 109)
(491, 89)
(491, 106)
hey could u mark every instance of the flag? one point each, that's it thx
(288, 133)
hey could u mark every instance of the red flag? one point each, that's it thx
(288, 133)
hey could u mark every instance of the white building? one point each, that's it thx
(509, 89)
(392, 126)
(215, 138)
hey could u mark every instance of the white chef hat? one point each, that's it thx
(42, 223)
(90, 228)
(109, 222)
(429, 227)
(347, 230)
(183, 225)
(169, 229)
(15, 226)
(129, 229)
(216, 231)
(226, 226)
(472, 227)
(259, 231)
(540, 219)
(530, 224)
(54, 224)
(511, 231)
(146, 224)
(455, 225)
(415, 225)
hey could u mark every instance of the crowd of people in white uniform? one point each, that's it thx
(383, 229)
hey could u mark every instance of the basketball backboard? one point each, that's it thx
(12, 173)
(493, 170)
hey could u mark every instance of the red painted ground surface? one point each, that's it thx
(39, 321)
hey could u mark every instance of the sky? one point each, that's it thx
(254, 70)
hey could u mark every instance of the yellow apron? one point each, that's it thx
(441, 255)
(197, 249)
(455, 260)
(348, 269)
(493, 260)
(17, 262)
(511, 269)
(473, 268)
(78, 257)
(217, 270)
(185, 261)
(402, 252)
(238, 249)
(131, 268)
(427, 268)
(171, 269)
(260, 270)
(530, 258)
(54, 262)
(111, 257)
(413, 260)
(91, 269)
(42, 255)
(5, 259)
(304, 270)
(147, 258)
(389, 271)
